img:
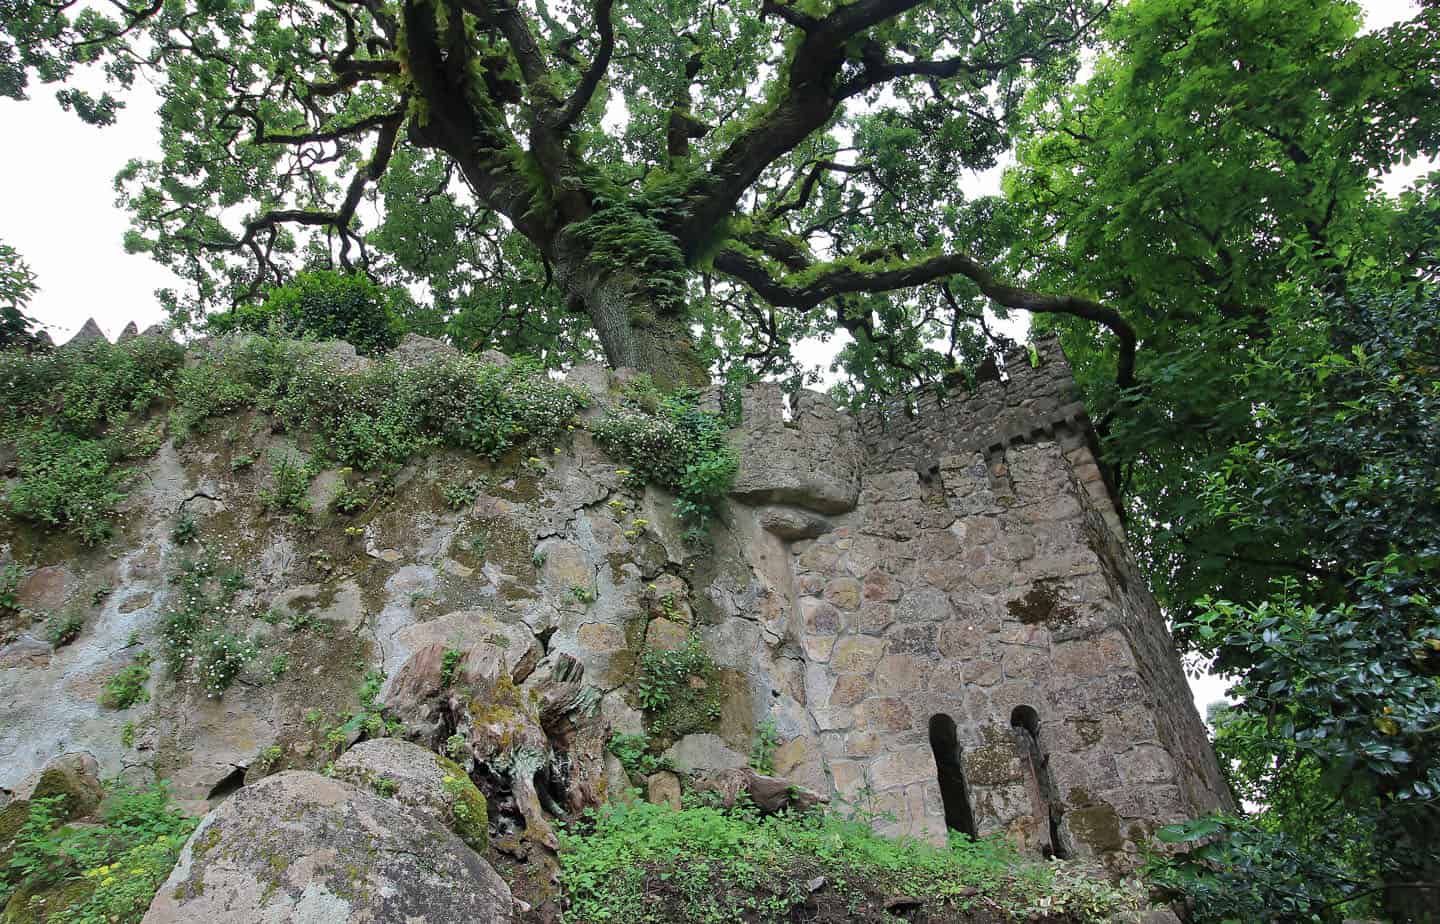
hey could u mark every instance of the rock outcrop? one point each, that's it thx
(931, 606)
(297, 847)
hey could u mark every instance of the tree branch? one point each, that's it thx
(839, 279)
(590, 80)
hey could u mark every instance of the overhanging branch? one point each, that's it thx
(821, 284)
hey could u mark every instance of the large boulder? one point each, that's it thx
(421, 780)
(300, 847)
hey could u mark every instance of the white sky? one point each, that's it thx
(57, 207)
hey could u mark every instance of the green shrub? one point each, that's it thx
(219, 657)
(322, 305)
(679, 689)
(125, 858)
(195, 626)
(11, 577)
(67, 482)
(289, 482)
(670, 441)
(127, 687)
(767, 741)
(635, 755)
(640, 863)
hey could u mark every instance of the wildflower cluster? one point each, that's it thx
(195, 628)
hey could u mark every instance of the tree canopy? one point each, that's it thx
(753, 171)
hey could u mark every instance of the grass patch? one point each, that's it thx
(646, 864)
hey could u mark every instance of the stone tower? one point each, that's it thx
(979, 651)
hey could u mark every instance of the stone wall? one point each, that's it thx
(952, 580)
(978, 597)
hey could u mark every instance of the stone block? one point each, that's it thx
(857, 654)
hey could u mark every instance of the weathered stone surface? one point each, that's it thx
(855, 629)
(419, 779)
(299, 847)
(703, 752)
(415, 350)
(663, 788)
(88, 333)
(793, 523)
(810, 461)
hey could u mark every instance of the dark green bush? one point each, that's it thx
(667, 439)
(322, 305)
(67, 482)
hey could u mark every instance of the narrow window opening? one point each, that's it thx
(1026, 722)
(950, 772)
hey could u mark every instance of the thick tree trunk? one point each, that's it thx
(633, 330)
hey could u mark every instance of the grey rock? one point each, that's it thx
(130, 332)
(791, 523)
(413, 350)
(89, 333)
(299, 847)
(418, 779)
(703, 752)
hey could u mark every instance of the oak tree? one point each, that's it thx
(691, 181)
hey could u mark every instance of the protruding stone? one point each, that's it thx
(415, 350)
(769, 794)
(663, 788)
(130, 332)
(694, 753)
(420, 779)
(793, 523)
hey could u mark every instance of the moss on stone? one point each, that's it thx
(469, 812)
(1041, 606)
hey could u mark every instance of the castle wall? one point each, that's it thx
(982, 579)
(932, 604)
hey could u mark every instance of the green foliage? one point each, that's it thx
(1239, 870)
(321, 305)
(1335, 662)
(185, 530)
(195, 628)
(289, 482)
(449, 661)
(640, 863)
(636, 754)
(63, 628)
(124, 858)
(11, 577)
(767, 740)
(69, 483)
(73, 414)
(219, 658)
(667, 439)
(377, 419)
(17, 287)
(679, 689)
(127, 687)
